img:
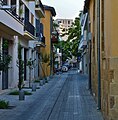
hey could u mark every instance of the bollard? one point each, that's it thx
(33, 87)
(21, 95)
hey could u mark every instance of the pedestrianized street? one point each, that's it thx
(64, 97)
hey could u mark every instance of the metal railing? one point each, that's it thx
(39, 32)
(30, 28)
(11, 10)
(41, 38)
(40, 5)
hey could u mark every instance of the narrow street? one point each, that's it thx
(65, 97)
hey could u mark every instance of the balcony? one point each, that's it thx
(54, 37)
(39, 34)
(39, 8)
(11, 23)
(40, 42)
(29, 31)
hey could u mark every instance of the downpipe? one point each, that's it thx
(98, 55)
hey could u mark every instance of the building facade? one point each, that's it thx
(63, 26)
(104, 55)
(18, 24)
(48, 29)
(83, 45)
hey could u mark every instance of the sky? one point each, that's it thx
(65, 9)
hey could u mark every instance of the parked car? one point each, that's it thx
(64, 68)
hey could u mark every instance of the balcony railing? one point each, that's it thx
(39, 8)
(16, 16)
(42, 40)
(30, 28)
(39, 32)
(39, 4)
(12, 12)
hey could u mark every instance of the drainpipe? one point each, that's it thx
(98, 55)
(89, 44)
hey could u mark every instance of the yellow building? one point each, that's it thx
(48, 28)
(104, 86)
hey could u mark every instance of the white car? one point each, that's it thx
(64, 68)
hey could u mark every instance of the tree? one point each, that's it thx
(20, 65)
(46, 60)
(74, 36)
(5, 58)
(30, 64)
(70, 47)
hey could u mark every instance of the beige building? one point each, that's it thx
(64, 25)
(104, 66)
(48, 29)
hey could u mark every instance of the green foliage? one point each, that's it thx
(46, 61)
(5, 44)
(20, 11)
(75, 31)
(37, 81)
(45, 58)
(4, 104)
(5, 59)
(20, 65)
(16, 92)
(38, 87)
(69, 48)
(4, 62)
(55, 25)
(31, 63)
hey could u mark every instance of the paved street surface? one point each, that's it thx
(65, 97)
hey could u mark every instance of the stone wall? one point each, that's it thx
(113, 89)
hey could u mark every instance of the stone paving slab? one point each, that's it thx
(75, 101)
(65, 97)
(34, 104)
